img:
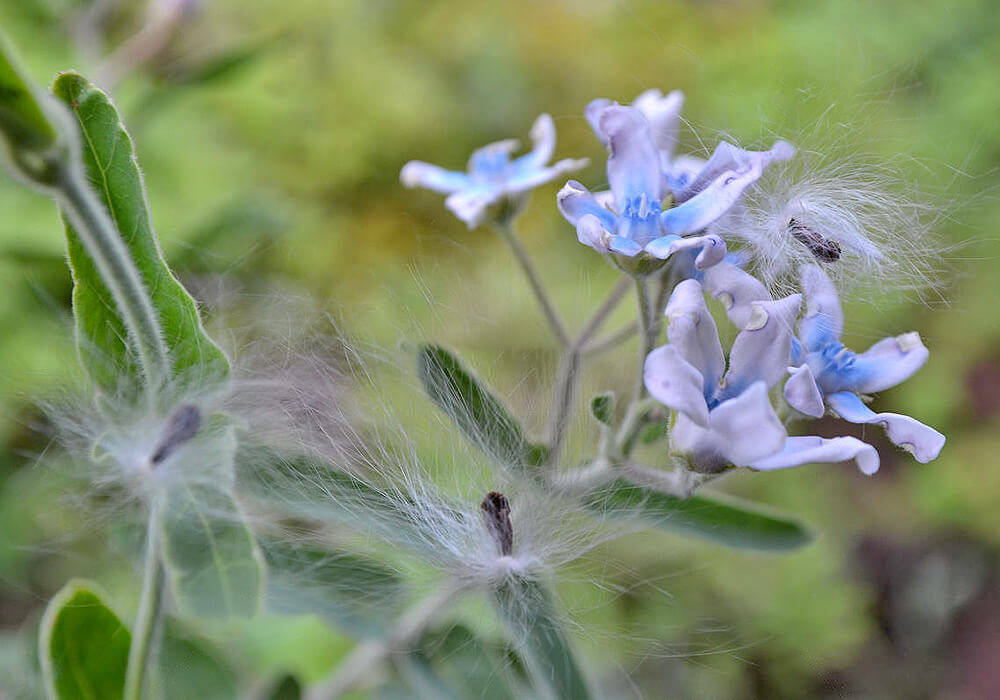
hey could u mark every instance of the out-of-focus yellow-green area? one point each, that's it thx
(271, 136)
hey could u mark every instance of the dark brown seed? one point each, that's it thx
(182, 426)
(496, 510)
(823, 249)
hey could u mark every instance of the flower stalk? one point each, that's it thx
(148, 622)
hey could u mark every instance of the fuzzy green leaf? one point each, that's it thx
(350, 591)
(468, 663)
(83, 646)
(211, 559)
(536, 628)
(113, 172)
(479, 414)
(602, 407)
(727, 521)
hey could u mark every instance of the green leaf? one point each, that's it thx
(355, 593)
(471, 665)
(191, 668)
(602, 407)
(211, 559)
(112, 170)
(724, 520)
(286, 687)
(535, 626)
(83, 646)
(476, 411)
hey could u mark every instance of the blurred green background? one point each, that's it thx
(271, 136)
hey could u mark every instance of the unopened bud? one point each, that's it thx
(496, 510)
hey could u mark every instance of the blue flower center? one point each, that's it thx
(639, 219)
(490, 165)
(830, 364)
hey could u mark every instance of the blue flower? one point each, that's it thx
(492, 175)
(642, 171)
(723, 417)
(741, 427)
(829, 375)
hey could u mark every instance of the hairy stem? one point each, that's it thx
(569, 366)
(506, 231)
(613, 340)
(114, 263)
(147, 623)
(367, 655)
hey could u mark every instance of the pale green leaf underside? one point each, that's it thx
(112, 170)
(83, 646)
(211, 559)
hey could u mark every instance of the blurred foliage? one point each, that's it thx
(295, 119)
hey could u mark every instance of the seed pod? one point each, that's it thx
(496, 509)
(823, 249)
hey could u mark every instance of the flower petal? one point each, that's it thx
(590, 231)
(676, 383)
(803, 393)
(742, 162)
(490, 161)
(708, 205)
(470, 204)
(416, 173)
(824, 319)
(663, 112)
(742, 430)
(624, 246)
(691, 330)
(922, 441)
(593, 112)
(521, 177)
(634, 164)
(760, 352)
(810, 449)
(575, 201)
(736, 290)
(886, 363)
(681, 172)
(543, 139)
(712, 248)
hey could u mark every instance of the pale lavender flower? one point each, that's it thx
(492, 174)
(723, 417)
(829, 375)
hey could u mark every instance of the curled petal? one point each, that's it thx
(624, 246)
(803, 393)
(760, 352)
(416, 173)
(634, 164)
(811, 449)
(736, 290)
(708, 205)
(922, 441)
(886, 363)
(682, 171)
(593, 112)
(824, 319)
(712, 248)
(730, 158)
(575, 201)
(691, 330)
(663, 112)
(742, 430)
(470, 204)
(676, 383)
(543, 139)
(590, 231)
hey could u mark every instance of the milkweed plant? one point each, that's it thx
(247, 498)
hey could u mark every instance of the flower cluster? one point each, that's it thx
(672, 217)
